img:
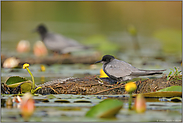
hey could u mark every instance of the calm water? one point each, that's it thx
(82, 20)
(87, 22)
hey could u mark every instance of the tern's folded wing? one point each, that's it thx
(119, 68)
(58, 42)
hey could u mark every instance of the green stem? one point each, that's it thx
(130, 101)
(33, 85)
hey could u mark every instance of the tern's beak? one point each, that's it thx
(98, 61)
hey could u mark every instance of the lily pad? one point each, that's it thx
(173, 99)
(172, 88)
(51, 96)
(15, 81)
(106, 109)
(173, 91)
(162, 94)
(176, 99)
(83, 101)
(26, 86)
(62, 101)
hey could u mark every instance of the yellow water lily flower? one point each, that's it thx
(26, 65)
(130, 87)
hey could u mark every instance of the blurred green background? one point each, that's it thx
(100, 24)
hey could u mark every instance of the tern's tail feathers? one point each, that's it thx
(147, 72)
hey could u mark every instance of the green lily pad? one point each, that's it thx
(17, 84)
(51, 96)
(162, 94)
(106, 109)
(26, 86)
(173, 91)
(172, 88)
(14, 81)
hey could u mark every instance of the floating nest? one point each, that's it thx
(93, 85)
(90, 85)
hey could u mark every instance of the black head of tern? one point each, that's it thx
(121, 71)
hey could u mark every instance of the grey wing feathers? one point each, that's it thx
(146, 72)
(59, 42)
(119, 68)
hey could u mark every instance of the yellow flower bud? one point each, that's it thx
(11, 62)
(27, 106)
(23, 46)
(25, 66)
(130, 87)
(42, 68)
(140, 104)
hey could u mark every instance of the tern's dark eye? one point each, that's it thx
(104, 60)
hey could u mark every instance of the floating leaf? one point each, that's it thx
(15, 81)
(162, 94)
(172, 88)
(45, 100)
(176, 99)
(83, 101)
(173, 91)
(62, 101)
(17, 84)
(105, 109)
(26, 86)
(51, 96)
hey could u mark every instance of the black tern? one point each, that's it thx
(57, 42)
(121, 71)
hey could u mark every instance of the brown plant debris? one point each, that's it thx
(92, 85)
(85, 86)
